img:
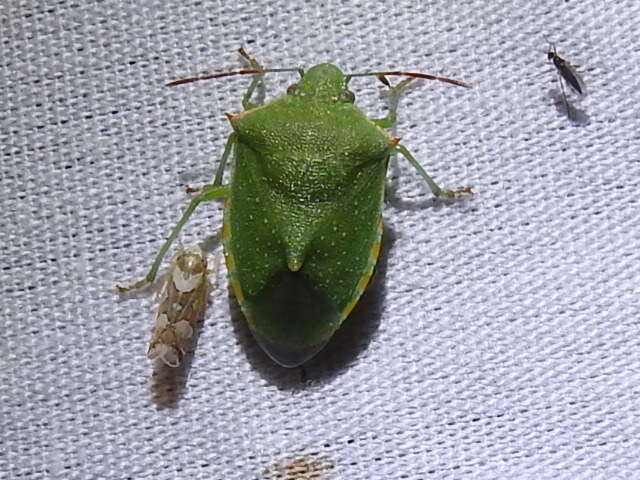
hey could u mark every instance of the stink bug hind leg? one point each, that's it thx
(204, 193)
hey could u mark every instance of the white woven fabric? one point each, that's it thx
(501, 338)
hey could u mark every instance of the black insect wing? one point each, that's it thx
(567, 72)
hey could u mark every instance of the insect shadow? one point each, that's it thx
(568, 109)
(349, 341)
(168, 384)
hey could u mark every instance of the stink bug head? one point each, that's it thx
(324, 82)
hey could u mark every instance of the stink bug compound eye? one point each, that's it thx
(182, 299)
(303, 213)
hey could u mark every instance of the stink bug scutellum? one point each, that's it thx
(302, 217)
(567, 73)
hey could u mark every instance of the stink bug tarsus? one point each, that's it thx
(182, 299)
(302, 217)
(566, 72)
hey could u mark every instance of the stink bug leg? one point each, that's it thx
(433, 186)
(209, 192)
(256, 82)
(217, 181)
(395, 93)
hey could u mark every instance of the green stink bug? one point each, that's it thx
(302, 217)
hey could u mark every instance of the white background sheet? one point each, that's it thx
(500, 339)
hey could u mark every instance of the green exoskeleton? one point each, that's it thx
(302, 217)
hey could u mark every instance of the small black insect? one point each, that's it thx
(566, 72)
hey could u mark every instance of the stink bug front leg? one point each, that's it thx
(209, 192)
(395, 92)
(256, 81)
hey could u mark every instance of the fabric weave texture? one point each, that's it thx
(500, 338)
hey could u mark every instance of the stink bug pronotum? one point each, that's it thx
(302, 217)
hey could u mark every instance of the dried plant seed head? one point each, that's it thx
(181, 302)
(167, 354)
(188, 269)
(183, 330)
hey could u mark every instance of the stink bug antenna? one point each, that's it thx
(256, 69)
(253, 71)
(382, 75)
